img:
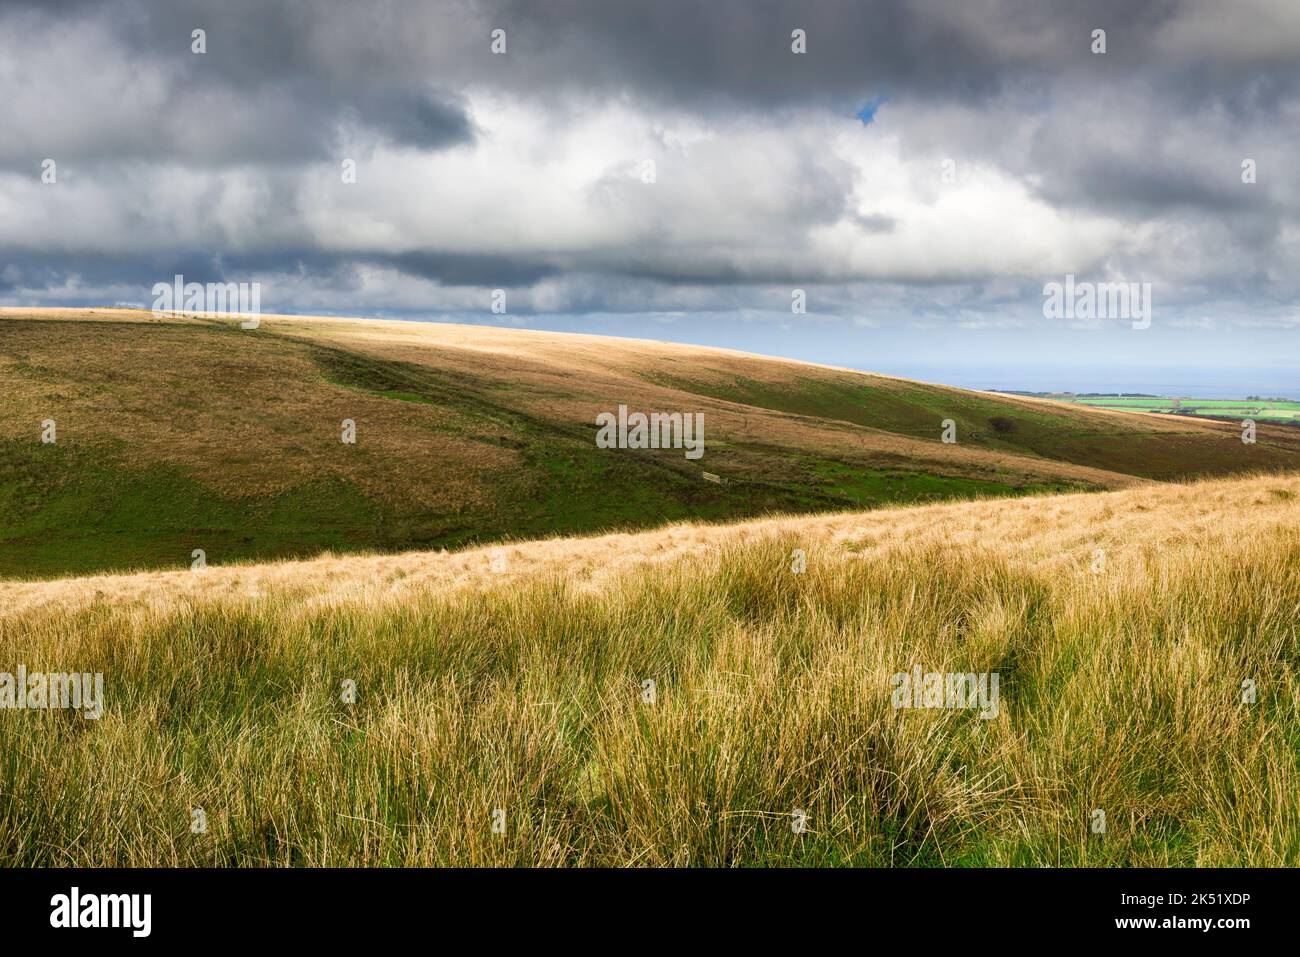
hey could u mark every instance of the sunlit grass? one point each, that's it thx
(1121, 691)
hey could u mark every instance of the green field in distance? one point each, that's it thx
(1286, 411)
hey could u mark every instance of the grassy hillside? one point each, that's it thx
(518, 684)
(183, 434)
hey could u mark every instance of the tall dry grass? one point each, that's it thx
(1121, 691)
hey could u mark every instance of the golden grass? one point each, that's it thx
(1039, 532)
(1121, 691)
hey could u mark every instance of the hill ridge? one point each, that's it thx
(183, 434)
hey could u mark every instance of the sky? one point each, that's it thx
(916, 176)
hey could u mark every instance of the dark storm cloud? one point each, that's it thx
(95, 270)
(378, 57)
(462, 270)
(265, 89)
(1111, 181)
(683, 50)
(413, 119)
(1150, 134)
(706, 53)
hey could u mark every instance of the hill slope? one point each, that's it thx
(183, 434)
(1157, 684)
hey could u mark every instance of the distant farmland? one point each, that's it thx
(1285, 411)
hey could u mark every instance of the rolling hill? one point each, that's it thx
(680, 696)
(181, 433)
